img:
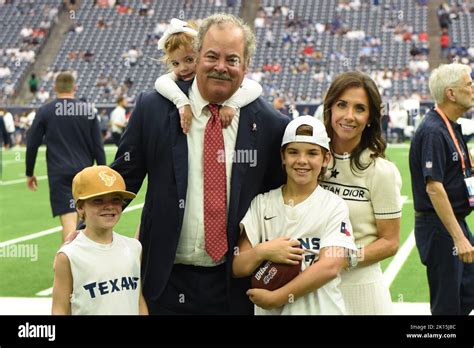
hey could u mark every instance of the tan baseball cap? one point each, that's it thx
(97, 181)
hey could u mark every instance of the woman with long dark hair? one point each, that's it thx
(369, 184)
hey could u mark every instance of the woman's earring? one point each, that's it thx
(368, 125)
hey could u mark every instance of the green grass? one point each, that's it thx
(23, 212)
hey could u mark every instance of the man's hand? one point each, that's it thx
(71, 236)
(464, 249)
(32, 183)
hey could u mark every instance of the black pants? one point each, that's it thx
(451, 281)
(193, 290)
(116, 137)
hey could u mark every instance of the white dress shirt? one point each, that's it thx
(191, 246)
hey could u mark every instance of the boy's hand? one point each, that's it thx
(265, 299)
(185, 116)
(226, 114)
(281, 250)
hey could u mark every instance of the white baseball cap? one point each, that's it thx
(319, 137)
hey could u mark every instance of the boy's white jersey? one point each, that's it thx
(321, 220)
(106, 277)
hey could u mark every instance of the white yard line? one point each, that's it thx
(21, 161)
(55, 229)
(30, 236)
(400, 257)
(405, 200)
(47, 292)
(20, 181)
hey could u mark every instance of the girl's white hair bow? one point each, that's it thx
(176, 26)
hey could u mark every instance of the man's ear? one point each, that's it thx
(246, 67)
(449, 93)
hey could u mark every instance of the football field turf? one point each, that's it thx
(26, 255)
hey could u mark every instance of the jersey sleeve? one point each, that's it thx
(433, 158)
(253, 220)
(166, 86)
(338, 232)
(246, 94)
(385, 190)
(34, 139)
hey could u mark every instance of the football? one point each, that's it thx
(271, 276)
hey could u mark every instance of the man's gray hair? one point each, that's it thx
(445, 76)
(223, 18)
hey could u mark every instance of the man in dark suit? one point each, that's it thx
(180, 274)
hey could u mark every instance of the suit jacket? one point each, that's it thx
(154, 144)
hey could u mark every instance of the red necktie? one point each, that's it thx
(215, 187)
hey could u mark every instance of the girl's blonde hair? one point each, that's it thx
(177, 40)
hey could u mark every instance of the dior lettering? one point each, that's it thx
(111, 286)
(37, 331)
(333, 189)
(353, 193)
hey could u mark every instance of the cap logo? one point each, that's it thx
(107, 179)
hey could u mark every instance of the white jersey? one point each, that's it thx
(320, 221)
(106, 277)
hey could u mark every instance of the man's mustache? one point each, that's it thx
(219, 76)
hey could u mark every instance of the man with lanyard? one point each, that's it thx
(441, 169)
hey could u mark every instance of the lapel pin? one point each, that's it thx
(254, 127)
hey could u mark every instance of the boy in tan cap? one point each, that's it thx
(99, 271)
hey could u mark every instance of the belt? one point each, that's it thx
(201, 269)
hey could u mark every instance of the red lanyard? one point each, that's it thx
(455, 140)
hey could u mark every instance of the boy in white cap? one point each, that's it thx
(99, 271)
(298, 221)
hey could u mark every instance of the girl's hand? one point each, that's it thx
(185, 115)
(226, 114)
